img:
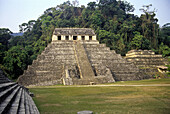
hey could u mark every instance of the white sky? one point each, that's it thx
(15, 12)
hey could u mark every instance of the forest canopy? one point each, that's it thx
(113, 21)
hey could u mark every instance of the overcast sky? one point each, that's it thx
(15, 12)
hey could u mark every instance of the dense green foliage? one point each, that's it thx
(112, 21)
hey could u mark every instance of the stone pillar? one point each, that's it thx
(78, 37)
(67, 73)
(54, 37)
(70, 37)
(62, 37)
(86, 37)
(93, 37)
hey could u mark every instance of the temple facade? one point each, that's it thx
(73, 34)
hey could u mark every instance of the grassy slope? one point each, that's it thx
(105, 100)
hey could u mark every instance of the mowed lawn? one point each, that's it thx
(105, 100)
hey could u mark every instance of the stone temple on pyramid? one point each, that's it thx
(75, 57)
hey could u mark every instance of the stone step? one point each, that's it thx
(22, 109)
(147, 66)
(5, 86)
(104, 53)
(28, 106)
(124, 69)
(65, 52)
(47, 83)
(125, 77)
(98, 49)
(125, 72)
(90, 42)
(46, 73)
(48, 68)
(61, 62)
(93, 61)
(62, 42)
(100, 53)
(59, 46)
(46, 80)
(56, 58)
(145, 59)
(34, 108)
(103, 57)
(149, 69)
(47, 62)
(6, 92)
(57, 54)
(61, 57)
(107, 53)
(127, 64)
(59, 49)
(4, 106)
(15, 105)
(94, 45)
(149, 63)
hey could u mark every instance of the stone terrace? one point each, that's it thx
(146, 60)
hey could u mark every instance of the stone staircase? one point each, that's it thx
(15, 99)
(83, 61)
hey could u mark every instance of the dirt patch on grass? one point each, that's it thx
(75, 102)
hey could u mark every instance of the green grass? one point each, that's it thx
(141, 82)
(104, 100)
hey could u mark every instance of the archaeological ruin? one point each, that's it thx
(147, 61)
(75, 57)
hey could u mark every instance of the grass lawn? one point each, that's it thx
(105, 100)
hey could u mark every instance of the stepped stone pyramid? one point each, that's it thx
(146, 60)
(14, 98)
(75, 57)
